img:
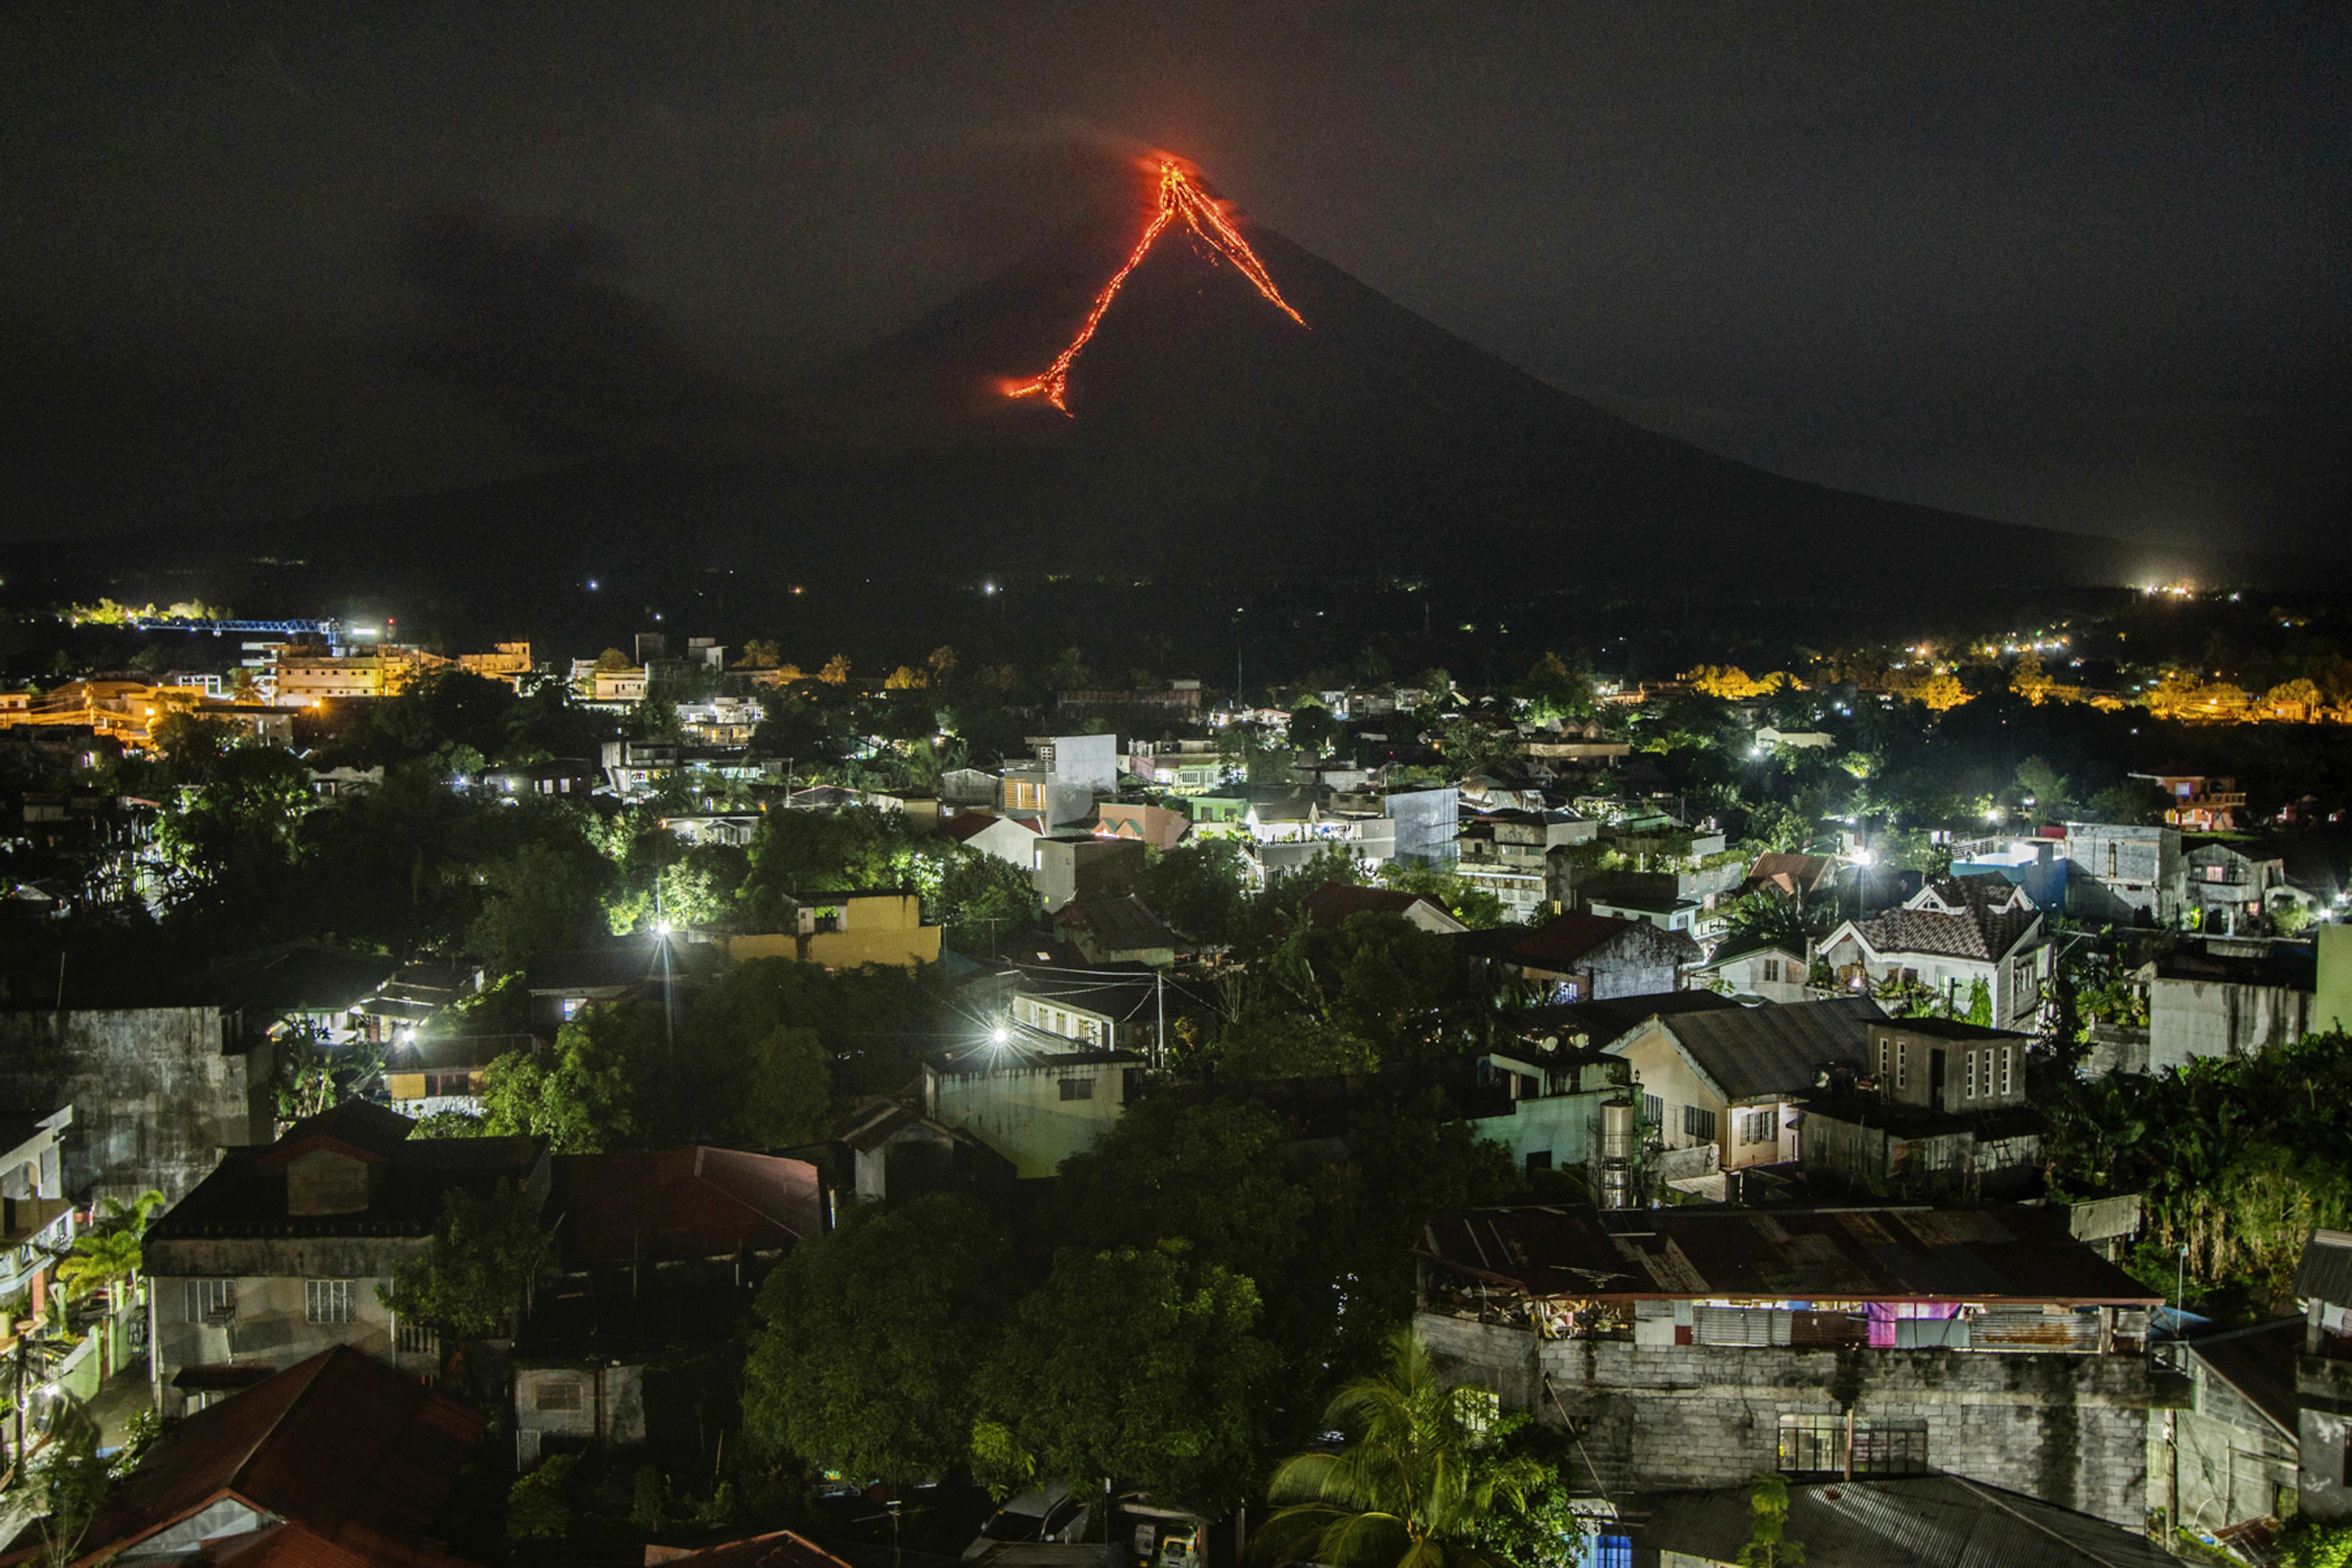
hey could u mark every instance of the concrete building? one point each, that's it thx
(1033, 1103)
(2226, 1461)
(1593, 958)
(1693, 1347)
(2221, 997)
(1734, 1078)
(2124, 875)
(2323, 1377)
(1942, 1111)
(1508, 854)
(158, 1092)
(278, 1253)
(1081, 866)
(1426, 822)
(1058, 784)
(2231, 891)
(1550, 1109)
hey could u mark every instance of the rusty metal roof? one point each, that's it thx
(2007, 1254)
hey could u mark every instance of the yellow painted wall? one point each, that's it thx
(2332, 1008)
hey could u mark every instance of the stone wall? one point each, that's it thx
(157, 1092)
(2068, 1429)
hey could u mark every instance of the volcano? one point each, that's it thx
(1209, 435)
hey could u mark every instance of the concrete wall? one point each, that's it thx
(1426, 822)
(2231, 1465)
(2332, 1008)
(157, 1092)
(2068, 1429)
(271, 1325)
(1018, 1109)
(2190, 1019)
(2323, 1390)
(581, 1402)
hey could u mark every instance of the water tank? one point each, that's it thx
(1620, 1134)
(1617, 1188)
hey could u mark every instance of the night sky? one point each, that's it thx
(2087, 266)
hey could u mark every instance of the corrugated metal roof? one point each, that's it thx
(2012, 1253)
(2326, 1269)
(1927, 1521)
(1777, 1048)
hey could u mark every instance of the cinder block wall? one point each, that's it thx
(2068, 1429)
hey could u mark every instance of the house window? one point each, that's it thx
(1972, 1073)
(571, 1008)
(1902, 1066)
(1654, 1110)
(329, 1301)
(1817, 1445)
(416, 1338)
(1760, 1126)
(1699, 1122)
(211, 1301)
(2214, 874)
(1882, 1063)
(2008, 1054)
(564, 1396)
(1771, 972)
(1078, 1088)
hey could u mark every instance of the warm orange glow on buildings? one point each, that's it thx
(1178, 198)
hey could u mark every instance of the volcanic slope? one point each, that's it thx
(1207, 427)
(1209, 435)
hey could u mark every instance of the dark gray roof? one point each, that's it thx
(2326, 1269)
(1740, 944)
(1779, 1048)
(1926, 1521)
(1121, 922)
(1953, 1029)
(1602, 1022)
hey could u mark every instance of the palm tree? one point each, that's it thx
(99, 1258)
(1417, 1478)
(136, 1215)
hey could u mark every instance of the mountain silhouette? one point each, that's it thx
(1209, 435)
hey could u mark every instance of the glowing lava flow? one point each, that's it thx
(1178, 198)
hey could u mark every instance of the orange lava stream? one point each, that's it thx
(1178, 197)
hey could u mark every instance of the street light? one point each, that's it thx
(999, 1036)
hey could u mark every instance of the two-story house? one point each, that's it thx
(1508, 854)
(1734, 1079)
(2230, 890)
(1941, 1108)
(1949, 937)
(278, 1253)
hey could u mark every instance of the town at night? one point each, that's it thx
(1065, 786)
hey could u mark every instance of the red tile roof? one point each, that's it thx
(1335, 901)
(355, 1454)
(1569, 937)
(679, 1203)
(780, 1549)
